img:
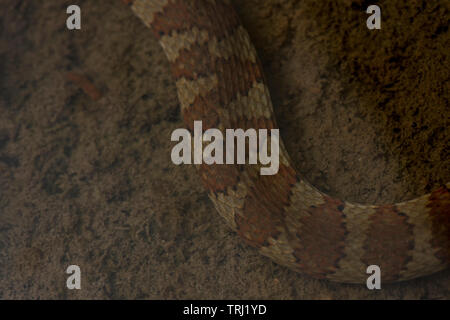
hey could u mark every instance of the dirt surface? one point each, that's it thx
(90, 182)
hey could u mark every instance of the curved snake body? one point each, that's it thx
(220, 81)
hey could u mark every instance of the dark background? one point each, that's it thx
(364, 115)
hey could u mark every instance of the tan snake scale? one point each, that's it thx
(220, 81)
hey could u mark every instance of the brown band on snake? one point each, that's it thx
(439, 208)
(389, 239)
(182, 16)
(321, 238)
(220, 82)
(225, 94)
(263, 213)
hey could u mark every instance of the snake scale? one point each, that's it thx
(219, 80)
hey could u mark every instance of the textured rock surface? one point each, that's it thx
(91, 183)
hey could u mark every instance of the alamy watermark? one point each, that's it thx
(237, 147)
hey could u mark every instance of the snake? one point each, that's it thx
(220, 81)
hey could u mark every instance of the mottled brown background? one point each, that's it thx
(363, 113)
